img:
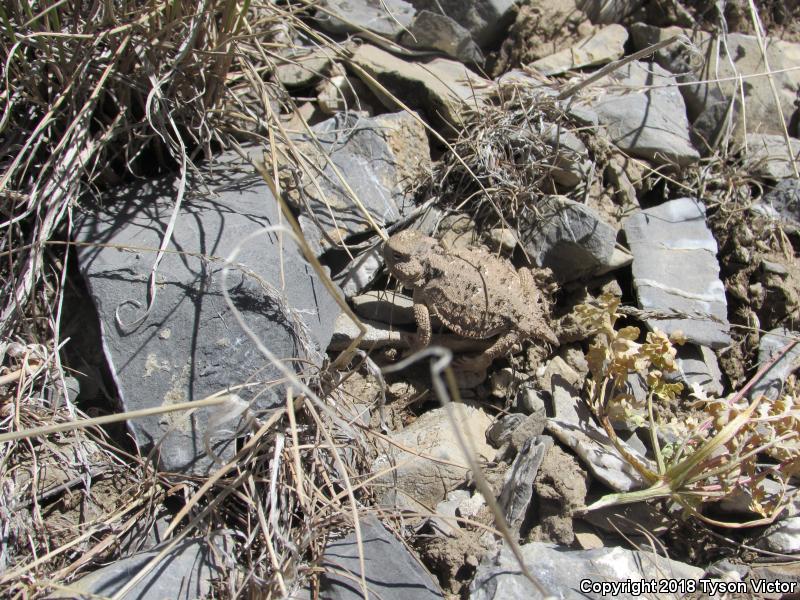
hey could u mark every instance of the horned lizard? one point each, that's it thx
(473, 292)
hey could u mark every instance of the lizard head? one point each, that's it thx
(407, 254)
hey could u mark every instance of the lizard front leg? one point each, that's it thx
(482, 361)
(423, 318)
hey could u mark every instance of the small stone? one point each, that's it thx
(517, 491)
(432, 435)
(302, 67)
(503, 238)
(440, 32)
(768, 156)
(604, 46)
(471, 506)
(782, 537)
(772, 343)
(386, 307)
(500, 431)
(384, 17)
(567, 237)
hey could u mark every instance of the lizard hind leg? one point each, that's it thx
(482, 361)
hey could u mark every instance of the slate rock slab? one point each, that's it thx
(602, 47)
(384, 17)
(390, 570)
(768, 156)
(190, 345)
(185, 573)
(561, 571)
(486, 20)
(440, 87)
(567, 237)
(713, 64)
(675, 268)
(770, 345)
(644, 114)
(440, 32)
(433, 435)
(378, 159)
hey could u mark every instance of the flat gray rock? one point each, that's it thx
(602, 47)
(771, 344)
(190, 345)
(435, 31)
(699, 365)
(567, 237)
(768, 156)
(384, 17)
(185, 573)
(486, 20)
(711, 65)
(561, 572)
(378, 158)
(441, 87)
(646, 122)
(675, 268)
(391, 572)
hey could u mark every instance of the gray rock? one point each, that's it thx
(529, 400)
(386, 307)
(486, 20)
(186, 572)
(561, 572)
(302, 66)
(517, 491)
(432, 435)
(768, 156)
(714, 64)
(568, 237)
(384, 17)
(604, 46)
(377, 157)
(675, 268)
(609, 11)
(698, 365)
(360, 272)
(782, 537)
(772, 343)
(447, 508)
(646, 122)
(190, 344)
(628, 519)
(592, 445)
(499, 433)
(434, 31)
(784, 199)
(441, 87)
(390, 570)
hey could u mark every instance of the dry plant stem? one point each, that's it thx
(349, 488)
(299, 238)
(610, 68)
(441, 365)
(216, 399)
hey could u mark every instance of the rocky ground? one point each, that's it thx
(639, 158)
